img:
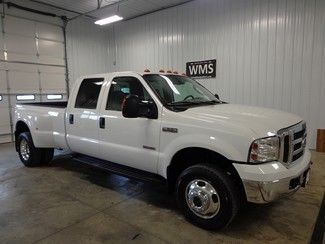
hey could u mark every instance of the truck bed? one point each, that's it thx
(46, 121)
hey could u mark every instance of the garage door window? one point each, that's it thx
(25, 97)
(88, 93)
(54, 97)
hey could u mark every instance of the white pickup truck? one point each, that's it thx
(166, 126)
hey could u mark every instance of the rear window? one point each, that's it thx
(88, 93)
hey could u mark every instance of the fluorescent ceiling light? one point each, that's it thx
(108, 20)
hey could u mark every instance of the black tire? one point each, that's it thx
(33, 156)
(227, 198)
(47, 155)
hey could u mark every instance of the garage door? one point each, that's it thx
(32, 67)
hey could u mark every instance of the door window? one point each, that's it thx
(88, 93)
(122, 87)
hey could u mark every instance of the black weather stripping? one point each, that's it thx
(9, 4)
(13, 5)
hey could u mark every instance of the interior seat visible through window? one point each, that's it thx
(88, 93)
(120, 88)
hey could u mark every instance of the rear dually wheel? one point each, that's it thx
(30, 155)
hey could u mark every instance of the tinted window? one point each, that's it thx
(88, 93)
(120, 88)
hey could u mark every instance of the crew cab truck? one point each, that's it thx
(214, 155)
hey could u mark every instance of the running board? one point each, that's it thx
(119, 169)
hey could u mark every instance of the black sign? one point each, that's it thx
(201, 69)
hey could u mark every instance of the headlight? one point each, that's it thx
(264, 150)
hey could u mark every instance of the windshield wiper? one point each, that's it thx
(182, 103)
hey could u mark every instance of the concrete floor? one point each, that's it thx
(71, 203)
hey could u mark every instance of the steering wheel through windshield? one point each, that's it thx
(187, 97)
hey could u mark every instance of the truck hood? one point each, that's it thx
(263, 121)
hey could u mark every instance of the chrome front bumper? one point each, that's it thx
(268, 191)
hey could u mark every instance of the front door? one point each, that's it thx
(132, 142)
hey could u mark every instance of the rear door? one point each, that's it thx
(132, 142)
(82, 120)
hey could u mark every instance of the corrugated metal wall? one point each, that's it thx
(269, 53)
(87, 49)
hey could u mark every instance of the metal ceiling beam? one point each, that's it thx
(88, 14)
(101, 8)
(61, 8)
(122, 1)
(157, 10)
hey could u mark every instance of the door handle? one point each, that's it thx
(71, 119)
(102, 122)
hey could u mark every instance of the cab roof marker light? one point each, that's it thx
(108, 20)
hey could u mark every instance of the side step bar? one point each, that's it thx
(119, 169)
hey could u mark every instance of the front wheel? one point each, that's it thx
(30, 155)
(207, 196)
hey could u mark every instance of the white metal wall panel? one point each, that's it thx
(269, 53)
(87, 47)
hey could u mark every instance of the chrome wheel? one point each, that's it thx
(24, 150)
(202, 199)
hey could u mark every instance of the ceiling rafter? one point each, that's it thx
(99, 5)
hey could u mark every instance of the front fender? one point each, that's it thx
(222, 147)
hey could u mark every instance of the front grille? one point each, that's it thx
(293, 143)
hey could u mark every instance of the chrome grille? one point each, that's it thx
(293, 143)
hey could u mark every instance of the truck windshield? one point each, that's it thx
(177, 90)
